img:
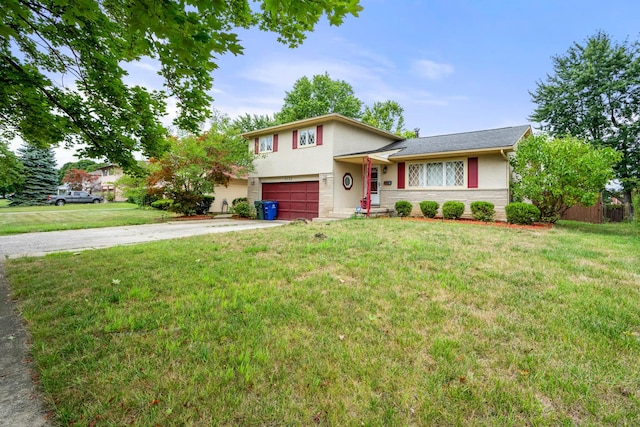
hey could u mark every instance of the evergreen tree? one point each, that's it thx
(40, 176)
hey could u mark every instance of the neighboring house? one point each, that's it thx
(236, 189)
(328, 166)
(106, 183)
(62, 189)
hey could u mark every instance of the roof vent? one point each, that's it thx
(417, 132)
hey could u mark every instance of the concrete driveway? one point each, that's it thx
(38, 244)
(20, 404)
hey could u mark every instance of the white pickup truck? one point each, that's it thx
(73, 197)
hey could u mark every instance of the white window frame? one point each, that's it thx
(423, 179)
(303, 137)
(266, 144)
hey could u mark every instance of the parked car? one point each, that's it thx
(73, 197)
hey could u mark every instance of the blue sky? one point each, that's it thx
(453, 65)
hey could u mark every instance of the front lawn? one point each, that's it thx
(26, 219)
(357, 322)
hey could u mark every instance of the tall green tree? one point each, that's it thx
(594, 94)
(318, 96)
(61, 64)
(249, 122)
(10, 170)
(386, 115)
(195, 165)
(557, 173)
(40, 176)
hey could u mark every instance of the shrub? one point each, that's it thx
(429, 208)
(522, 213)
(203, 205)
(483, 211)
(452, 210)
(403, 207)
(162, 204)
(244, 210)
(636, 206)
(238, 200)
(111, 196)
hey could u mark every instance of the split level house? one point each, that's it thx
(333, 166)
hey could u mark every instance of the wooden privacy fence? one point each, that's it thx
(615, 213)
(593, 214)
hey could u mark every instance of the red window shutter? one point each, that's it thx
(319, 135)
(256, 145)
(275, 142)
(472, 172)
(294, 140)
(401, 175)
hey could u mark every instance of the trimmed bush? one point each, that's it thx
(243, 210)
(238, 200)
(162, 204)
(429, 208)
(203, 205)
(452, 210)
(483, 211)
(403, 207)
(522, 213)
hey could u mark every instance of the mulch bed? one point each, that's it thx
(534, 226)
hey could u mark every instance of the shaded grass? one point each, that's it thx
(383, 322)
(15, 220)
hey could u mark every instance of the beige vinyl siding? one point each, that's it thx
(237, 188)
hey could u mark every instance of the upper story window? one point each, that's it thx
(436, 174)
(307, 137)
(266, 144)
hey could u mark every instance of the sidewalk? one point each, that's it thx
(20, 403)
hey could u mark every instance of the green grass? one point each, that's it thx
(358, 322)
(14, 220)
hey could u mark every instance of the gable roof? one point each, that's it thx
(313, 121)
(504, 139)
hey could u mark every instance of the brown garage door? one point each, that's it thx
(295, 199)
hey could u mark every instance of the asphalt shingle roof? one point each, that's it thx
(467, 141)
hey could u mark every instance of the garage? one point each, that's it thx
(295, 199)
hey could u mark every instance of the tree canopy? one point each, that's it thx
(387, 115)
(322, 95)
(557, 173)
(79, 179)
(62, 65)
(10, 170)
(84, 164)
(319, 96)
(194, 165)
(594, 94)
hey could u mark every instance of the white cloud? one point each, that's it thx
(430, 69)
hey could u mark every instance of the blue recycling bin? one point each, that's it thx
(270, 210)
